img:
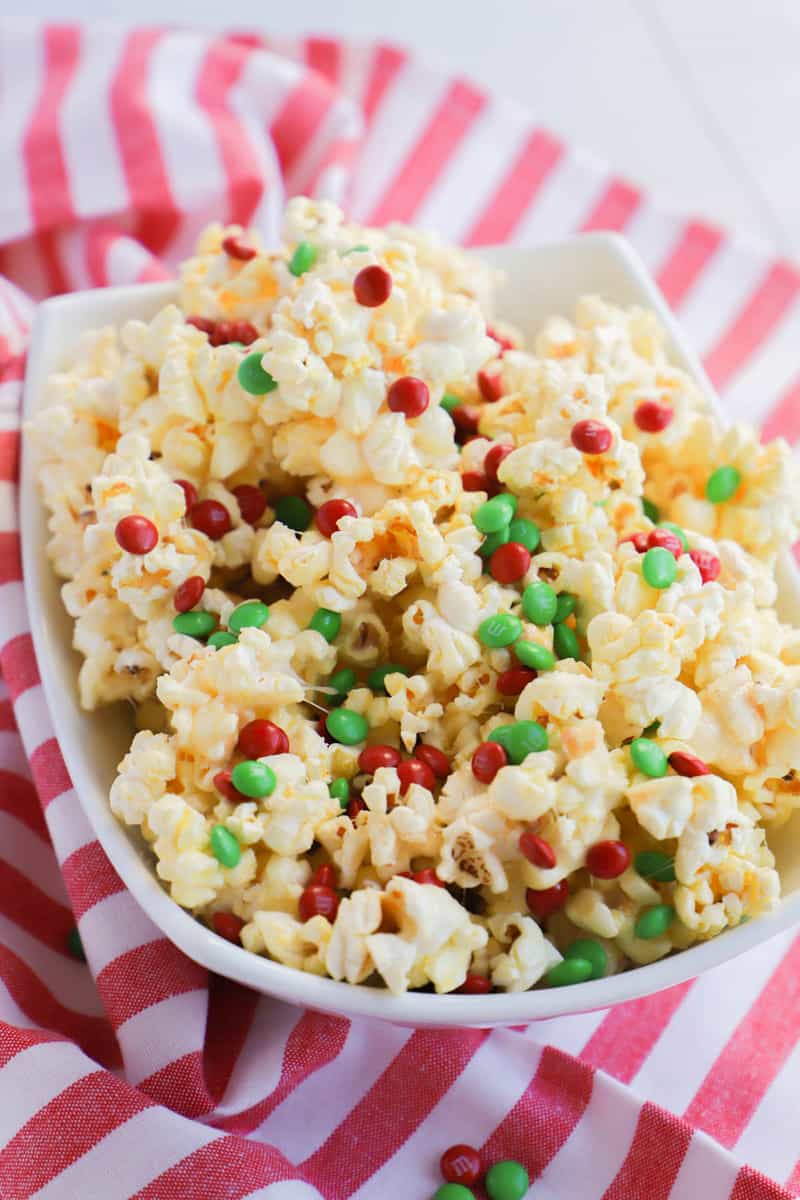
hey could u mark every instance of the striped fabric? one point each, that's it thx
(140, 1075)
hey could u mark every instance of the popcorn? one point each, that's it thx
(483, 867)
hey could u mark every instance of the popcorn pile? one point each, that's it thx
(455, 664)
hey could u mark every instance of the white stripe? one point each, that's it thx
(11, 1013)
(569, 1034)
(25, 851)
(129, 1157)
(8, 506)
(88, 139)
(12, 755)
(327, 1096)
(399, 123)
(21, 73)
(480, 162)
(33, 717)
(602, 1137)
(489, 1086)
(356, 61)
(287, 1189)
(34, 1077)
(189, 151)
(562, 202)
(258, 1067)
(707, 1172)
(12, 606)
(125, 258)
(653, 231)
(69, 828)
(68, 981)
(341, 122)
(769, 372)
(255, 99)
(331, 184)
(115, 926)
(719, 293)
(10, 392)
(691, 1043)
(72, 257)
(161, 1033)
(768, 1142)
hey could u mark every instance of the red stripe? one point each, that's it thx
(614, 208)
(545, 1115)
(139, 146)
(300, 116)
(324, 55)
(688, 259)
(738, 1080)
(221, 70)
(517, 189)
(7, 722)
(315, 1041)
(9, 462)
(10, 560)
(14, 1040)
(784, 419)
(12, 368)
(226, 1169)
(231, 1008)
(626, 1036)
(92, 1034)
(660, 1138)
(756, 321)
(48, 179)
(49, 772)
(20, 670)
(89, 877)
(442, 135)
(64, 1130)
(22, 902)
(146, 975)
(180, 1086)
(47, 245)
(752, 1185)
(18, 798)
(387, 62)
(407, 1091)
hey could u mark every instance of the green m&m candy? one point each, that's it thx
(377, 676)
(494, 514)
(493, 540)
(723, 484)
(525, 532)
(346, 726)
(254, 778)
(539, 603)
(224, 846)
(75, 945)
(650, 510)
(343, 680)
(659, 568)
(565, 642)
(568, 971)
(252, 376)
(222, 638)
(453, 1191)
(652, 864)
(448, 402)
(326, 622)
(535, 656)
(502, 735)
(500, 630)
(648, 757)
(565, 607)
(304, 257)
(591, 951)
(251, 614)
(506, 1181)
(654, 922)
(295, 512)
(524, 738)
(340, 790)
(194, 624)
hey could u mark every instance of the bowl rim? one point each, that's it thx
(263, 974)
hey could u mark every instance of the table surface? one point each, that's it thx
(692, 99)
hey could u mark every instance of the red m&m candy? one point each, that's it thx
(372, 286)
(330, 514)
(607, 860)
(211, 518)
(261, 738)
(461, 1164)
(651, 416)
(591, 437)
(408, 396)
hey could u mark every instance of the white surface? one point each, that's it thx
(692, 99)
(538, 281)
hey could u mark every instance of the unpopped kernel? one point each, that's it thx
(454, 662)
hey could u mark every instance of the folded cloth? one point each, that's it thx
(139, 1074)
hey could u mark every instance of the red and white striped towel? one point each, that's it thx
(140, 1075)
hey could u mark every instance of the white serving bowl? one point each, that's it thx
(539, 281)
